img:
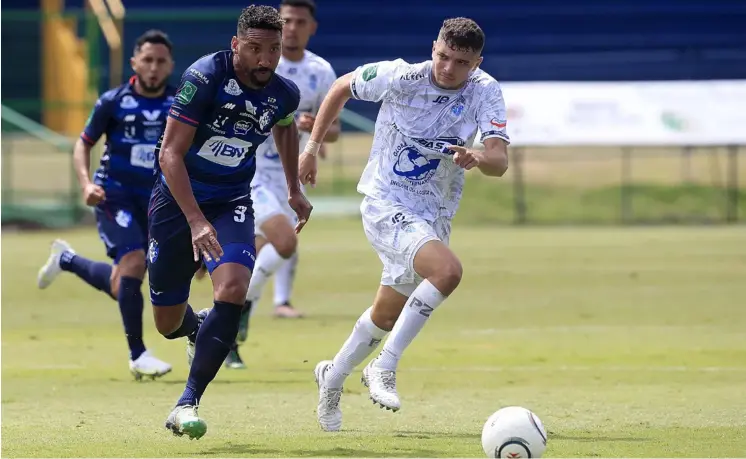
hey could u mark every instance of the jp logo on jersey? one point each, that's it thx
(413, 165)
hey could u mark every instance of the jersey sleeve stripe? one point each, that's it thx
(185, 119)
(288, 120)
(353, 89)
(87, 139)
(490, 134)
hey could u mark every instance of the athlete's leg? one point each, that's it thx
(230, 278)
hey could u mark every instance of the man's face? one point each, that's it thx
(258, 52)
(451, 67)
(152, 64)
(299, 27)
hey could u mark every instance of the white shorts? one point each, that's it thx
(269, 193)
(397, 234)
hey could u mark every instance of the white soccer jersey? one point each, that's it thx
(314, 76)
(408, 163)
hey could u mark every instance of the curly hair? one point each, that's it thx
(259, 17)
(462, 34)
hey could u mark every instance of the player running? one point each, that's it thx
(201, 208)
(132, 117)
(412, 185)
(276, 241)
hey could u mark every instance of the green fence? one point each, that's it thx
(38, 181)
(562, 185)
(565, 185)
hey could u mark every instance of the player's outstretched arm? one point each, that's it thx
(285, 133)
(96, 126)
(493, 160)
(92, 193)
(332, 135)
(331, 107)
(329, 111)
(177, 138)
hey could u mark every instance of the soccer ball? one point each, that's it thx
(514, 432)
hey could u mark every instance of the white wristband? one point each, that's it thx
(312, 148)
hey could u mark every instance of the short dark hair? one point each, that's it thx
(259, 17)
(156, 37)
(309, 4)
(462, 34)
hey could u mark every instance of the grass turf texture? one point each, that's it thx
(625, 342)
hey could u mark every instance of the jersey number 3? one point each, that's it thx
(240, 216)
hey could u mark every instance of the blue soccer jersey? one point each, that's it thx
(132, 124)
(232, 120)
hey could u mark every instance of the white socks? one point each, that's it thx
(267, 262)
(284, 280)
(417, 310)
(364, 339)
(366, 335)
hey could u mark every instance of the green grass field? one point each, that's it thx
(625, 342)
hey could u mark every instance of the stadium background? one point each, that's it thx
(68, 52)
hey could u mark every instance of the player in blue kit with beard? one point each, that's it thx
(131, 117)
(226, 106)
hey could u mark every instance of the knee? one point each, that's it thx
(384, 319)
(167, 319)
(164, 326)
(232, 290)
(286, 246)
(448, 276)
(133, 264)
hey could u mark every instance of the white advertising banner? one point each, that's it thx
(626, 113)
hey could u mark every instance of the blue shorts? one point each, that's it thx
(171, 264)
(122, 221)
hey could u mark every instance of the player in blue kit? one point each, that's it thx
(132, 117)
(226, 106)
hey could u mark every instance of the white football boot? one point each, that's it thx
(382, 386)
(51, 269)
(148, 366)
(327, 412)
(184, 420)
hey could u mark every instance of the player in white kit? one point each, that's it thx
(412, 186)
(275, 221)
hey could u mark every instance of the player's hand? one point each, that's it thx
(305, 122)
(205, 240)
(464, 157)
(93, 194)
(302, 208)
(307, 169)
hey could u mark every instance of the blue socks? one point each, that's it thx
(98, 275)
(214, 339)
(130, 306)
(189, 326)
(94, 273)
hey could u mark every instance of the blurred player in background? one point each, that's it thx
(132, 117)
(276, 241)
(201, 209)
(412, 185)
